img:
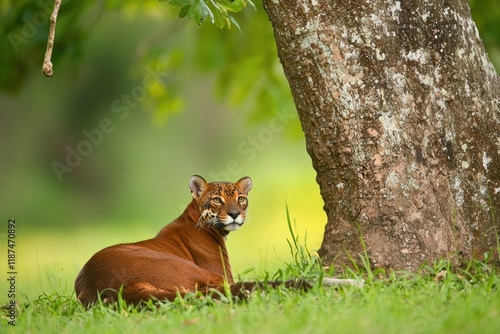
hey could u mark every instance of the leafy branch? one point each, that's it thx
(217, 11)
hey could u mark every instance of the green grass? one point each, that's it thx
(438, 299)
(467, 301)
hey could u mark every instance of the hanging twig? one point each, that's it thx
(47, 64)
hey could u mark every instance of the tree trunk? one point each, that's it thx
(399, 105)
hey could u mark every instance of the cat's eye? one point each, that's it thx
(216, 200)
(242, 199)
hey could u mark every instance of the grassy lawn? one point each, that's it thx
(439, 299)
(463, 302)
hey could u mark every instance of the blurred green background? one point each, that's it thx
(174, 100)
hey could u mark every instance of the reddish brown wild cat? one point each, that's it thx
(187, 255)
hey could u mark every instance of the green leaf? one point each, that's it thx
(220, 20)
(234, 22)
(252, 4)
(184, 11)
(200, 11)
(234, 6)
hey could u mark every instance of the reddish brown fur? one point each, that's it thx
(186, 255)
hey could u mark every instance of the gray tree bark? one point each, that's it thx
(399, 105)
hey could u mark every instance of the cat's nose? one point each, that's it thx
(233, 214)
